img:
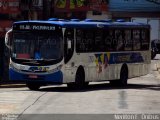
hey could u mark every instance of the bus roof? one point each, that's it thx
(85, 23)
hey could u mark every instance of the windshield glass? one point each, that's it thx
(39, 46)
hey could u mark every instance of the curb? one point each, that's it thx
(7, 84)
(12, 85)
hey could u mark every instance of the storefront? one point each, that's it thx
(31, 9)
(9, 12)
(80, 9)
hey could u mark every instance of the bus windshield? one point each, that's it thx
(37, 46)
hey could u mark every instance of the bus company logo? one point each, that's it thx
(37, 69)
(33, 69)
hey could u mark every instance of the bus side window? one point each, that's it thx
(84, 40)
(79, 41)
(68, 44)
(98, 41)
(136, 40)
(145, 39)
(112, 41)
(89, 37)
(107, 40)
(119, 35)
(128, 40)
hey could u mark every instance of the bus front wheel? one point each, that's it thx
(33, 86)
(123, 77)
(79, 80)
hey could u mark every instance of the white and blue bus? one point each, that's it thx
(77, 52)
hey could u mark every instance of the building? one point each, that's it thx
(134, 8)
(94, 9)
(9, 12)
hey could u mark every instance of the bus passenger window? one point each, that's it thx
(120, 40)
(98, 41)
(108, 41)
(88, 40)
(136, 40)
(79, 41)
(84, 40)
(128, 40)
(113, 40)
(145, 39)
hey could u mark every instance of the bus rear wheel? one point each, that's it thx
(123, 76)
(122, 82)
(33, 86)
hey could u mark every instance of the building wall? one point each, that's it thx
(134, 5)
(134, 8)
(81, 9)
(104, 15)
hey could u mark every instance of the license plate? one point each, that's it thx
(33, 76)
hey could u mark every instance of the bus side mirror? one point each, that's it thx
(69, 45)
(8, 38)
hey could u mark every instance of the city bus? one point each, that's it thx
(76, 52)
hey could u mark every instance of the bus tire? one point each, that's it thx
(123, 76)
(71, 85)
(33, 86)
(76, 86)
(79, 80)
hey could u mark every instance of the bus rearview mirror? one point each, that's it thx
(8, 38)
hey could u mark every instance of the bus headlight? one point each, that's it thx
(13, 67)
(56, 69)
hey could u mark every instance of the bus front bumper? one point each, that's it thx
(54, 78)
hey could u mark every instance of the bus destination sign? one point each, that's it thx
(34, 27)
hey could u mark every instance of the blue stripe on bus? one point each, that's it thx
(125, 58)
(56, 77)
(116, 58)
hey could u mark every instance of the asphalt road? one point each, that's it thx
(142, 95)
